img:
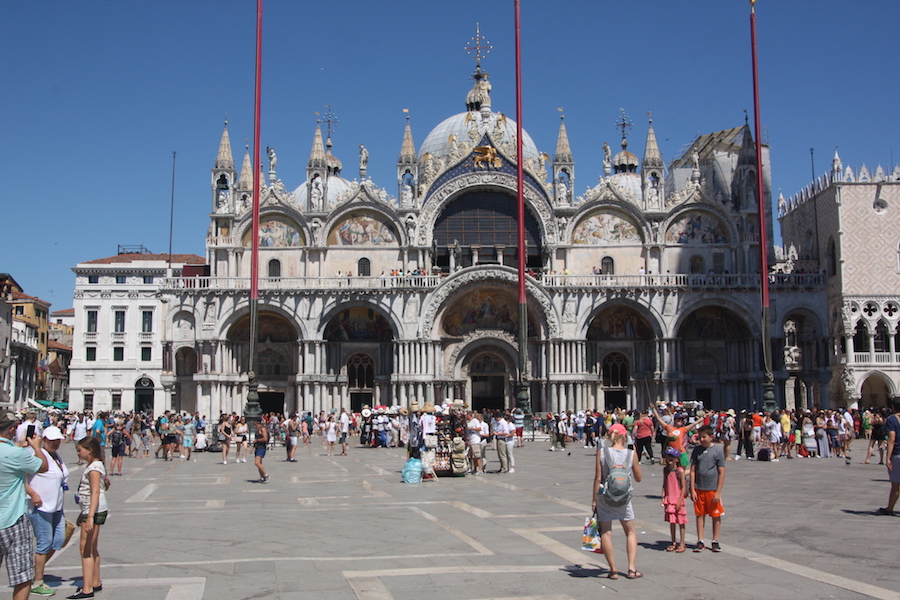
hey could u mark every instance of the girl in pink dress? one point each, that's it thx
(674, 493)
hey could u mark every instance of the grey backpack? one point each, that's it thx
(617, 487)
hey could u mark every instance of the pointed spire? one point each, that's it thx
(747, 155)
(407, 148)
(563, 150)
(652, 157)
(245, 181)
(225, 160)
(317, 154)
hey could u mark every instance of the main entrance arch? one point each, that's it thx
(277, 352)
(489, 380)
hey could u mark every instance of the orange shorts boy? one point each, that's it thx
(704, 504)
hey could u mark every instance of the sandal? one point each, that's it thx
(884, 511)
(634, 574)
(671, 548)
(612, 575)
(680, 549)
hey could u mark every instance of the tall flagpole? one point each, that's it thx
(769, 381)
(252, 410)
(522, 388)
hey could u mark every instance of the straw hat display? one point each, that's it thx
(429, 407)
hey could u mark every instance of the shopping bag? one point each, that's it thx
(590, 540)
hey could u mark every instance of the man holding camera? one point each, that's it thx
(16, 533)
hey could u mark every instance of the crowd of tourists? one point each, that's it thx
(694, 446)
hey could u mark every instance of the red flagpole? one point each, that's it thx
(522, 389)
(769, 380)
(254, 265)
(252, 410)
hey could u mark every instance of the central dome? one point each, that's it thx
(465, 126)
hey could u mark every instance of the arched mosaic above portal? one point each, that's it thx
(486, 308)
(600, 228)
(362, 228)
(276, 232)
(696, 228)
(358, 324)
(713, 322)
(619, 323)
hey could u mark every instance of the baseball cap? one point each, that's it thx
(52, 433)
(618, 429)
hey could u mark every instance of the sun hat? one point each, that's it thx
(429, 407)
(366, 412)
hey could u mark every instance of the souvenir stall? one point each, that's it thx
(450, 447)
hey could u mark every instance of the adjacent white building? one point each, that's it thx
(846, 225)
(117, 358)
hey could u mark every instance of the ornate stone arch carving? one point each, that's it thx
(482, 339)
(441, 196)
(506, 275)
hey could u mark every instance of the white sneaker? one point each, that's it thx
(224, 462)
(552, 449)
(738, 457)
(774, 460)
(512, 470)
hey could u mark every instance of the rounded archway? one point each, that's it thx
(481, 227)
(720, 359)
(875, 391)
(277, 357)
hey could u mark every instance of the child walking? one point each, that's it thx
(674, 494)
(707, 479)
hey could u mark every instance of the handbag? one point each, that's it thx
(70, 529)
(431, 440)
(590, 539)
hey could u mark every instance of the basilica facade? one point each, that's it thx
(644, 287)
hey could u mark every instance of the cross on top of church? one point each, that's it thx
(623, 123)
(329, 119)
(478, 44)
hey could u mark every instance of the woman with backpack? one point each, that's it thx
(615, 471)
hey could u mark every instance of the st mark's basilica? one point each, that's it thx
(644, 287)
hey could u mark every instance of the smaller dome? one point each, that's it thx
(625, 159)
(628, 185)
(337, 187)
(333, 163)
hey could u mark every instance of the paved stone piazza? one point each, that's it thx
(346, 528)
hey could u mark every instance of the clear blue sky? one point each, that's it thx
(97, 95)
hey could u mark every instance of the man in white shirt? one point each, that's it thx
(29, 425)
(501, 432)
(485, 436)
(345, 430)
(473, 427)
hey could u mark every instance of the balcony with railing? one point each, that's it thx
(786, 281)
(301, 283)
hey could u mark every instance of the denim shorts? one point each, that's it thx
(49, 530)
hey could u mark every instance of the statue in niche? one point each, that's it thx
(315, 194)
(222, 201)
(406, 195)
(209, 314)
(410, 226)
(273, 160)
(695, 160)
(562, 192)
(653, 192)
